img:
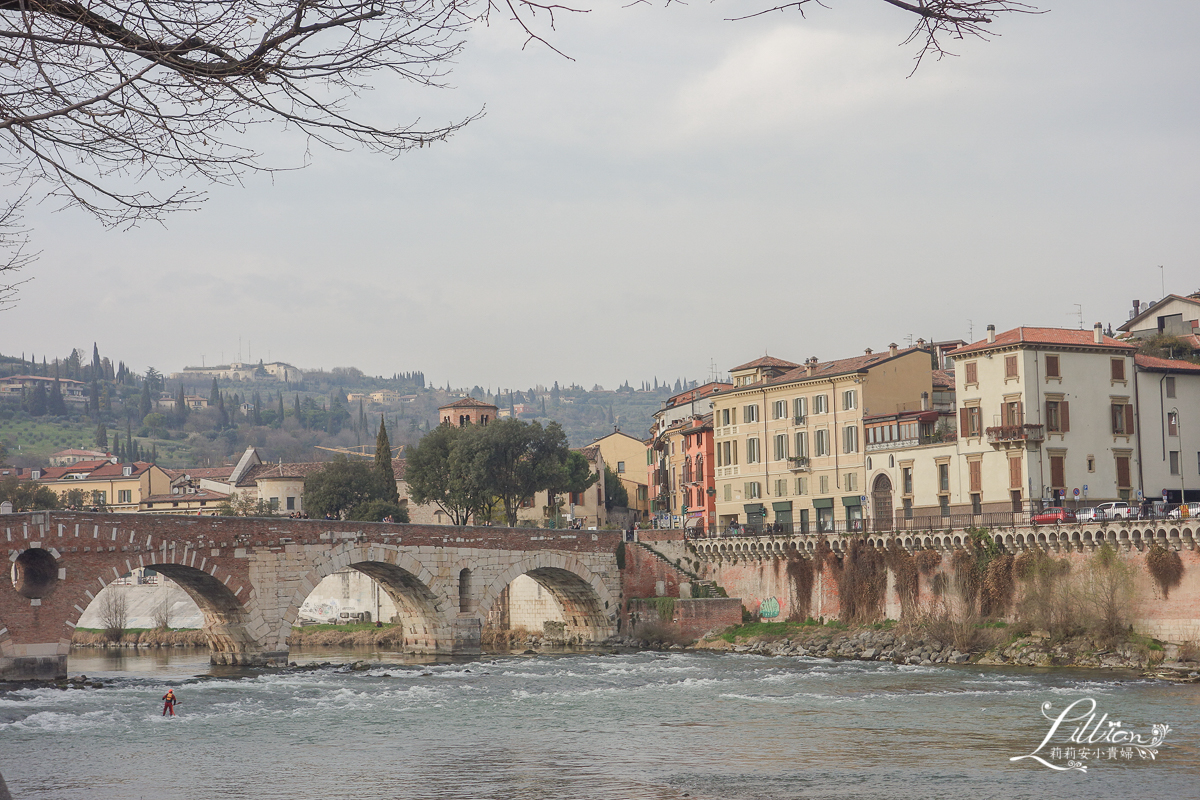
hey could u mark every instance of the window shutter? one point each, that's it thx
(1129, 420)
(976, 476)
(1014, 473)
(1064, 416)
(963, 423)
(1123, 471)
(1057, 477)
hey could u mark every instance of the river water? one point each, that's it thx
(583, 725)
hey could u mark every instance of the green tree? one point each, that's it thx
(36, 403)
(615, 493)
(344, 488)
(514, 460)
(181, 407)
(257, 414)
(440, 470)
(102, 437)
(55, 405)
(279, 417)
(156, 422)
(27, 495)
(214, 395)
(575, 477)
(383, 465)
(145, 401)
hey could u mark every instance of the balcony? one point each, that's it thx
(1015, 434)
(798, 463)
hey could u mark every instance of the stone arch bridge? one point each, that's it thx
(251, 575)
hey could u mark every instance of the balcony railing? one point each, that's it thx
(1015, 433)
(798, 463)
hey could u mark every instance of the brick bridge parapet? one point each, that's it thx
(251, 575)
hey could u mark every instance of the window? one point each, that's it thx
(1015, 480)
(976, 504)
(908, 508)
(971, 370)
(750, 414)
(943, 477)
(779, 409)
(1015, 494)
(1118, 369)
(1173, 458)
(1058, 416)
(781, 443)
(906, 480)
(274, 503)
(1052, 367)
(802, 444)
(1123, 479)
(291, 504)
(850, 439)
(1011, 412)
(800, 407)
(1170, 386)
(753, 490)
(849, 400)
(124, 495)
(643, 493)
(970, 422)
(1058, 471)
(620, 467)
(1091, 463)
(944, 504)
(801, 485)
(728, 491)
(100, 498)
(975, 470)
(781, 487)
(725, 416)
(824, 484)
(1010, 367)
(821, 404)
(752, 454)
(851, 481)
(1172, 423)
(1122, 419)
(726, 454)
(821, 442)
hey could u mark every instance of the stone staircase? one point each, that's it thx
(701, 588)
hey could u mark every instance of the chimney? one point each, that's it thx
(810, 365)
(924, 401)
(991, 334)
(867, 351)
(1136, 304)
(920, 342)
(1098, 333)
(892, 349)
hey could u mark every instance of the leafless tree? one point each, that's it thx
(114, 612)
(162, 611)
(939, 22)
(123, 107)
(14, 241)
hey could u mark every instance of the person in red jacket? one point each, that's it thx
(169, 702)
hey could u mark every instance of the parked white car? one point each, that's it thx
(1177, 511)
(1089, 515)
(1117, 510)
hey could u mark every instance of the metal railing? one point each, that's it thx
(1015, 433)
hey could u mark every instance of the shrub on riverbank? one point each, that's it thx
(140, 637)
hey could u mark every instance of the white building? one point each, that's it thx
(1168, 393)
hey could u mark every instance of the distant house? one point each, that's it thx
(468, 411)
(1174, 315)
(242, 371)
(118, 487)
(65, 458)
(73, 391)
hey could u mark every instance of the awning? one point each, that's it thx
(785, 505)
(755, 508)
(693, 522)
(823, 502)
(852, 501)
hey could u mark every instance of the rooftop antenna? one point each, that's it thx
(910, 339)
(1078, 312)
(1162, 279)
(970, 331)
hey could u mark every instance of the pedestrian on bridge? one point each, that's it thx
(169, 702)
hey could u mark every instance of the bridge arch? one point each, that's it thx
(589, 609)
(408, 583)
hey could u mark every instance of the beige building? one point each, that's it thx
(625, 455)
(585, 509)
(467, 411)
(1174, 315)
(789, 445)
(120, 488)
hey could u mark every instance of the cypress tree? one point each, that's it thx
(181, 409)
(95, 395)
(102, 437)
(383, 464)
(55, 406)
(145, 403)
(257, 409)
(215, 395)
(130, 453)
(37, 401)
(279, 418)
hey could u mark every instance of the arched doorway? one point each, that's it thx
(881, 501)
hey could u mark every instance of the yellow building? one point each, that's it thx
(789, 444)
(625, 455)
(119, 488)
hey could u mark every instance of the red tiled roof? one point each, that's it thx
(1171, 364)
(1065, 337)
(299, 470)
(765, 361)
(830, 368)
(697, 393)
(590, 451)
(110, 470)
(943, 378)
(96, 453)
(467, 402)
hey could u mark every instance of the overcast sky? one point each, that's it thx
(686, 192)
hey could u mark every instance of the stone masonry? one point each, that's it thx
(251, 575)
